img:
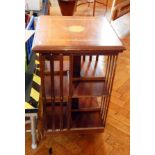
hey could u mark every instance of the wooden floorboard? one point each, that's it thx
(115, 140)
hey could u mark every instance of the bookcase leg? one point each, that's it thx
(52, 92)
(69, 106)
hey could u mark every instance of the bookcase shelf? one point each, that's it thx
(87, 115)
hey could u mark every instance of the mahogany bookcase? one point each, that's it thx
(75, 89)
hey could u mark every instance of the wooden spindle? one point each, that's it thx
(61, 91)
(42, 67)
(52, 92)
(70, 91)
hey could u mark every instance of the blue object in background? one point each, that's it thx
(45, 9)
(29, 43)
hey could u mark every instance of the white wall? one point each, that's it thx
(33, 5)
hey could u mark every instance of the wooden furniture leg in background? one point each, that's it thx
(33, 131)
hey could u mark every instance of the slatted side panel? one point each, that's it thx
(57, 109)
(109, 78)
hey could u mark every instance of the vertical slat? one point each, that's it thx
(90, 58)
(102, 102)
(109, 61)
(104, 107)
(110, 73)
(107, 66)
(70, 91)
(61, 91)
(84, 58)
(52, 92)
(42, 67)
(97, 57)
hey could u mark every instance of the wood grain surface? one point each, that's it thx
(65, 33)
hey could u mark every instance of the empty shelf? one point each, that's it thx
(89, 89)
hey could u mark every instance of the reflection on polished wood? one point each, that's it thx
(53, 33)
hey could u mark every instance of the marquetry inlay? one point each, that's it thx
(76, 28)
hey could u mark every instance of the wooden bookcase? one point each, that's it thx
(77, 71)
